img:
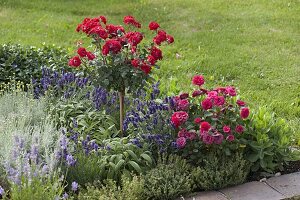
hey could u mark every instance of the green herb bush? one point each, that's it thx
(171, 178)
(219, 171)
(268, 141)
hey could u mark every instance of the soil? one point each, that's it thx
(291, 167)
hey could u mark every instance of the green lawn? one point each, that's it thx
(254, 44)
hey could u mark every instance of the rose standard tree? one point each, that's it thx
(120, 60)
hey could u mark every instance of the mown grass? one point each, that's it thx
(254, 45)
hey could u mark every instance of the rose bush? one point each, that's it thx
(208, 118)
(121, 60)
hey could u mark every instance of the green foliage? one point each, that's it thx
(131, 189)
(24, 62)
(171, 178)
(83, 118)
(268, 141)
(118, 157)
(219, 171)
(37, 188)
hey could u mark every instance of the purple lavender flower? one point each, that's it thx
(74, 186)
(70, 160)
(2, 192)
(65, 196)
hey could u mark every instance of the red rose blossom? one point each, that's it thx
(146, 68)
(112, 45)
(206, 104)
(218, 138)
(230, 138)
(239, 129)
(182, 104)
(245, 113)
(130, 20)
(190, 135)
(151, 60)
(178, 118)
(219, 100)
(181, 142)
(101, 32)
(207, 139)
(182, 132)
(197, 93)
(226, 129)
(75, 61)
(156, 53)
(170, 39)
(135, 62)
(197, 120)
(114, 29)
(240, 103)
(134, 38)
(153, 26)
(198, 80)
(90, 55)
(184, 96)
(204, 126)
(103, 19)
(231, 91)
(81, 52)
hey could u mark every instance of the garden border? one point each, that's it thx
(275, 188)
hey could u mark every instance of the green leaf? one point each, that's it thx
(135, 166)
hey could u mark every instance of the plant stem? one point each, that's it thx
(121, 97)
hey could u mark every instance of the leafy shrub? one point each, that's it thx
(131, 189)
(268, 141)
(107, 160)
(23, 63)
(219, 171)
(171, 178)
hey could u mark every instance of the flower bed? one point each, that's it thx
(104, 130)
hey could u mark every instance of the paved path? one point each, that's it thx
(275, 188)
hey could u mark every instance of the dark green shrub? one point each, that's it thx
(171, 178)
(268, 141)
(131, 189)
(25, 62)
(219, 171)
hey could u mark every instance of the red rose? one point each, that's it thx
(114, 29)
(181, 142)
(101, 32)
(135, 62)
(134, 38)
(151, 60)
(239, 129)
(218, 138)
(112, 45)
(103, 19)
(178, 118)
(182, 104)
(146, 68)
(190, 135)
(206, 104)
(170, 39)
(130, 20)
(230, 138)
(240, 103)
(90, 55)
(231, 91)
(156, 53)
(198, 80)
(160, 37)
(182, 132)
(197, 120)
(226, 129)
(212, 94)
(184, 96)
(153, 26)
(204, 126)
(75, 61)
(219, 100)
(207, 139)
(81, 52)
(245, 112)
(197, 93)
